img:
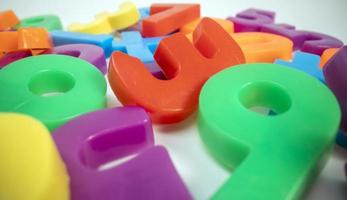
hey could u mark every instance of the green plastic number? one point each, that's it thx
(51, 88)
(275, 156)
(50, 22)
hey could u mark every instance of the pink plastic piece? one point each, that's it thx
(13, 56)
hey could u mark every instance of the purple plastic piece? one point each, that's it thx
(13, 56)
(252, 20)
(88, 52)
(306, 41)
(93, 139)
(335, 73)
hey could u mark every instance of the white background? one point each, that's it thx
(202, 175)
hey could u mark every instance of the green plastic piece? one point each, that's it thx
(50, 22)
(51, 88)
(275, 156)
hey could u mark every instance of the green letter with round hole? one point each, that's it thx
(51, 88)
(274, 156)
(50, 22)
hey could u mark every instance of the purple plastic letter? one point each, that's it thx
(306, 41)
(335, 73)
(251, 20)
(88, 52)
(93, 139)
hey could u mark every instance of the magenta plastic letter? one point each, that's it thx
(13, 56)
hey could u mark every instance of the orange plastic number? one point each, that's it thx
(264, 47)
(187, 67)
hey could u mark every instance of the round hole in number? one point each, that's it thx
(266, 98)
(51, 83)
(34, 20)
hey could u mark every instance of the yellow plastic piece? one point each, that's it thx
(106, 22)
(98, 26)
(31, 167)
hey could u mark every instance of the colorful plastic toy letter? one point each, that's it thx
(8, 20)
(167, 18)
(327, 54)
(36, 40)
(335, 73)
(307, 41)
(274, 156)
(305, 62)
(50, 22)
(113, 134)
(51, 88)
(64, 37)
(252, 20)
(187, 67)
(133, 44)
(106, 22)
(264, 47)
(90, 53)
(31, 167)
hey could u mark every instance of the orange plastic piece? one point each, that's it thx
(260, 47)
(327, 54)
(8, 20)
(264, 47)
(190, 27)
(187, 67)
(37, 40)
(9, 41)
(167, 18)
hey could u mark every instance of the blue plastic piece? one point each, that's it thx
(341, 139)
(152, 43)
(144, 12)
(64, 37)
(133, 44)
(305, 62)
